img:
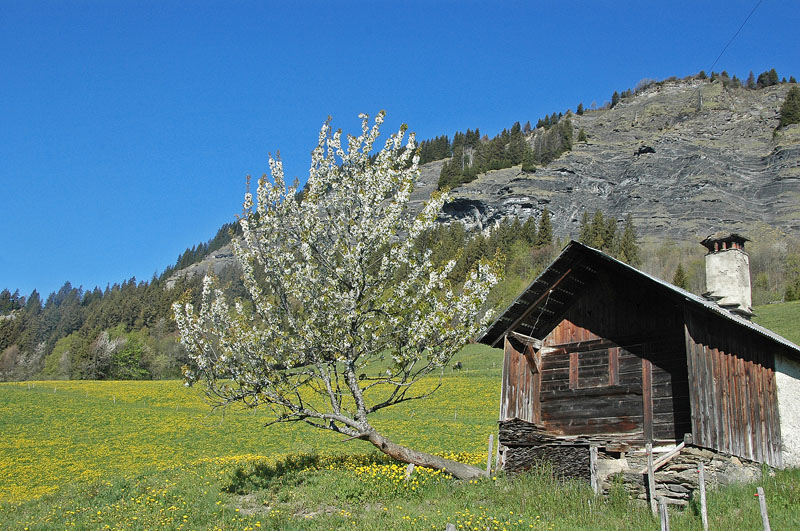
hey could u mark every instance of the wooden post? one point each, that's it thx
(409, 471)
(651, 481)
(701, 481)
(762, 501)
(662, 509)
(594, 480)
(497, 454)
(450, 527)
(489, 455)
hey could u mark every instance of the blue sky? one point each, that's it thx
(127, 127)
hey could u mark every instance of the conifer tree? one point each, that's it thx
(681, 279)
(628, 248)
(579, 110)
(790, 110)
(544, 236)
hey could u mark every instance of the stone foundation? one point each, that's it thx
(675, 481)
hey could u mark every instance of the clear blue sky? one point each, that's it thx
(127, 127)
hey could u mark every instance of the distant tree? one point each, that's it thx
(767, 79)
(628, 248)
(790, 110)
(614, 99)
(582, 135)
(527, 129)
(528, 160)
(544, 235)
(681, 279)
(598, 230)
(751, 81)
(792, 79)
(579, 110)
(702, 75)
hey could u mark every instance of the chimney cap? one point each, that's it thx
(721, 237)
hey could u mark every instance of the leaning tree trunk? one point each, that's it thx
(407, 455)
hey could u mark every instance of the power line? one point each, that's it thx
(735, 35)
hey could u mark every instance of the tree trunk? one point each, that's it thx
(407, 455)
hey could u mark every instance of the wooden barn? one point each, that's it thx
(598, 353)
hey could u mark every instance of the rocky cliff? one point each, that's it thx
(685, 158)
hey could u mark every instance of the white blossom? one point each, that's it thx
(337, 284)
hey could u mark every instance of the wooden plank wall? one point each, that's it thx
(733, 394)
(519, 393)
(591, 380)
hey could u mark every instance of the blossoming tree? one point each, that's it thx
(346, 313)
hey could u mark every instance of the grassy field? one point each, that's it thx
(783, 318)
(145, 455)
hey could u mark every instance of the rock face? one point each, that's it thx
(684, 158)
(219, 260)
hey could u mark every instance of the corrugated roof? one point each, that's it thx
(517, 309)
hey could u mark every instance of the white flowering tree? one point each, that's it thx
(346, 313)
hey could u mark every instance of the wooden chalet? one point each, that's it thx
(598, 352)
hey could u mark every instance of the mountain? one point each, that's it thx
(684, 157)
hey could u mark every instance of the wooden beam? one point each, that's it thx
(664, 459)
(527, 340)
(532, 307)
(651, 481)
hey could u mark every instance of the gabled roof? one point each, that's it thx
(545, 300)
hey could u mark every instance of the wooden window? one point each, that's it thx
(594, 368)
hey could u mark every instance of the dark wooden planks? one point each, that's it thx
(733, 394)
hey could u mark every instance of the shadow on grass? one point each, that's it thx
(257, 475)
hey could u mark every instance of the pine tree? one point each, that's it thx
(614, 99)
(579, 110)
(790, 110)
(681, 279)
(598, 230)
(544, 236)
(628, 248)
(582, 135)
(751, 81)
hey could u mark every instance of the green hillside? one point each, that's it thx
(783, 318)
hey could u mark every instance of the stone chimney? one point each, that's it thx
(728, 273)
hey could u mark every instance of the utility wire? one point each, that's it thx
(735, 35)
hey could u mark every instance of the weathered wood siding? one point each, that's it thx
(733, 392)
(519, 394)
(615, 364)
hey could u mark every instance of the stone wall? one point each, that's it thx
(675, 481)
(567, 462)
(678, 479)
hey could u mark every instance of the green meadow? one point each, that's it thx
(153, 454)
